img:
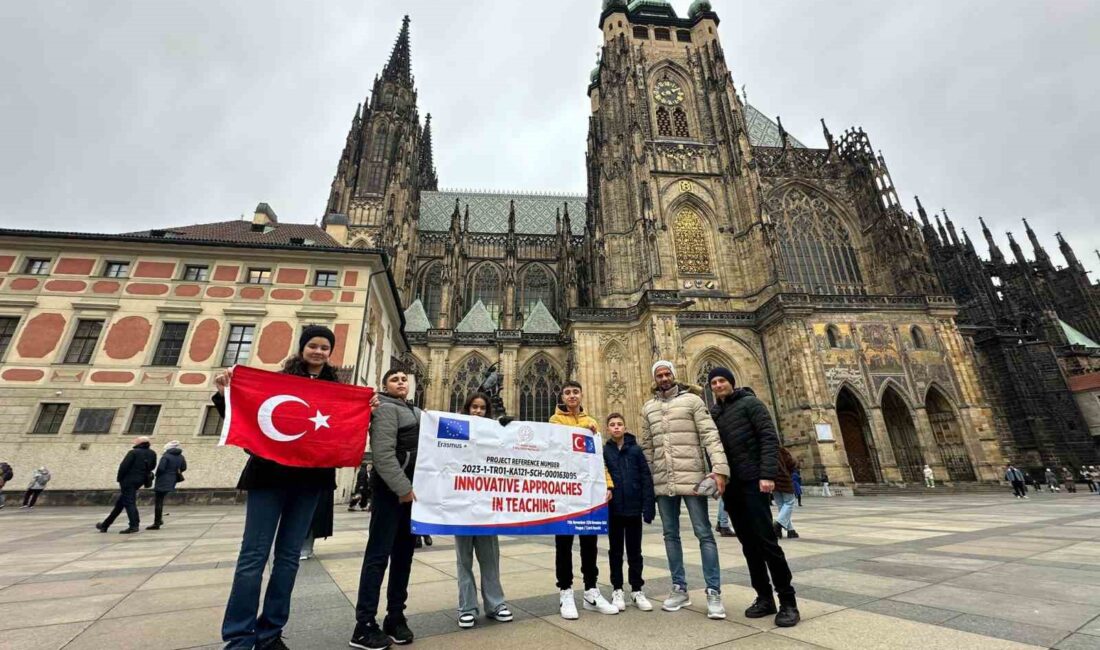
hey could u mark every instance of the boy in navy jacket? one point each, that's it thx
(632, 502)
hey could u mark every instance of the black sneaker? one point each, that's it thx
(760, 608)
(427, 540)
(128, 531)
(778, 530)
(274, 644)
(398, 630)
(153, 527)
(792, 534)
(369, 637)
(788, 616)
(100, 527)
(419, 543)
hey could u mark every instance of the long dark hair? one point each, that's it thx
(481, 396)
(296, 365)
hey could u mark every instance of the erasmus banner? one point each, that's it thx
(476, 477)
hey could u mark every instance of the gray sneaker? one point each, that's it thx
(715, 608)
(677, 600)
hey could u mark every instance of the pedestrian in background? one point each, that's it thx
(134, 472)
(6, 474)
(1052, 480)
(170, 471)
(361, 495)
(34, 490)
(1086, 476)
(723, 527)
(825, 492)
(784, 494)
(1016, 478)
(929, 477)
(796, 478)
(321, 526)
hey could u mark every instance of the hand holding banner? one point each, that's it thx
(477, 477)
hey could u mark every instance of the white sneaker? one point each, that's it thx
(715, 608)
(676, 600)
(618, 600)
(594, 601)
(568, 605)
(641, 602)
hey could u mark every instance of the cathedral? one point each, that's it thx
(710, 236)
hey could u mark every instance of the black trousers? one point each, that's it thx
(563, 560)
(1018, 488)
(390, 542)
(158, 507)
(625, 531)
(751, 517)
(127, 500)
(30, 497)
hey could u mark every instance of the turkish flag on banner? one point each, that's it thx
(296, 421)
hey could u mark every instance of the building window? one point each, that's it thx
(919, 342)
(50, 418)
(662, 34)
(538, 391)
(538, 284)
(467, 378)
(238, 347)
(259, 276)
(116, 270)
(680, 123)
(378, 149)
(211, 422)
(641, 32)
(689, 234)
(374, 178)
(833, 335)
(82, 347)
(94, 420)
(664, 124)
(815, 246)
(683, 35)
(325, 279)
(144, 419)
(170, 344)
(7, 332)
(485, 286)
(37, 266)
(196, 273)
(431, 292)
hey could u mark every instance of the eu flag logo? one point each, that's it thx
(584, 443)
(453, 429)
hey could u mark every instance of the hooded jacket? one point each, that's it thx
(136, 466)
(39, 480)
(748, 436)
(583, 420)
(171, 462)
(633, 492)
(394, 438)
(678, 435)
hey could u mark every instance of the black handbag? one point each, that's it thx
(179, 476)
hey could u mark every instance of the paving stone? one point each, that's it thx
(57, 610)
(1078, 642)
(1011, 630)
(1060, 615)
(858, 629)
(45, 637)
(909, 611)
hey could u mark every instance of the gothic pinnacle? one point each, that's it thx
(399, 67)
(920, 208)
(829, 139)
(1040, 253)
(994, 251)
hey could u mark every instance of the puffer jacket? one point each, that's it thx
(678, 435)
(748, 436)
(40, 479)
(633, 492)
(585, 421)
(394, 439)
(788, 467)
(172, 463)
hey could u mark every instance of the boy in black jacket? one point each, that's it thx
(632, 502)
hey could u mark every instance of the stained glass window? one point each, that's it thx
(816, 247)
(538, 284)
(467, 377)
(430, 292)
(485, 286)
(692, 255)
(538, 391)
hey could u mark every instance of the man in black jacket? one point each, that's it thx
(134, 471)
(752, 451)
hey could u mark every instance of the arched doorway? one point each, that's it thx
(903, 436)
(855, 431)
(948, 434)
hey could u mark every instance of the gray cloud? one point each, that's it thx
(125, 115)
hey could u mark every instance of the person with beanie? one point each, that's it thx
(169, 472)
(753, 450)
(678, 435)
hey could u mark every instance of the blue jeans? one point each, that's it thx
(723, 517)
(785, 502)
(279, 516)
(669, 507)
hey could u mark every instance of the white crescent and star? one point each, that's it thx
(578, 443)
(268, 428)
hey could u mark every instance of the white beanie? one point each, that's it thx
(171, 445)
(663, 364)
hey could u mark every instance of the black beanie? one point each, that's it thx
(314, 331)
(721, 372)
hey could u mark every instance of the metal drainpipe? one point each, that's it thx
(771, 387)
(363, 329)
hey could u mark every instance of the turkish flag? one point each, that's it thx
(296, 421)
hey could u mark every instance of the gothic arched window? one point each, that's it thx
(919, 341)
(538, 391)
(708, 364)
(833, 335)
(664, 124)
(430, 292)
(378, 145)
(815, 246)
(467, 378)
(484, 285)
(690, 237)
(538, 284)
(680, 121)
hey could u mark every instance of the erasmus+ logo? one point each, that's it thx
(453, 429)
(584, 443)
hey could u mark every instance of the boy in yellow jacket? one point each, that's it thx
(571, 413)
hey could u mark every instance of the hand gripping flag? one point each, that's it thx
(296, 421)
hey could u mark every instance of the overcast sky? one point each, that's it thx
(120, 115)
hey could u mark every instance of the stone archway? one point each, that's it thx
(948, 435)
(903, 436)
(855, 431)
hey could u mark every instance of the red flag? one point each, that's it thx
(296, 421)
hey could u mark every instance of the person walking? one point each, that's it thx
(825, 491)
(321, 525)
(796, 478)
(1086, 476)
(134, 472)
(784, 494)
(1094, 474)
(571, 413)
(1067, 480)
(929, 477)
(633, 502)
(361, 496)
(169, 473)
(6, 474)
(678, 435)
(487, 549)
(752, 449)
(1052, 480)
(278, 511)
(38, 483)
(723, 527)
(1016, 478)
(394, 438)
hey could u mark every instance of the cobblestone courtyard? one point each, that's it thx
(938, 572)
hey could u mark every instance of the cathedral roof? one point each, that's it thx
(1075, 336)
(416, 319)
(540, 321)
(536, 214)
(763, 132)
(477, 320)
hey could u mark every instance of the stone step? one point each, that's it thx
(915, 489)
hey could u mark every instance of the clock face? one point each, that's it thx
(668, 93)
